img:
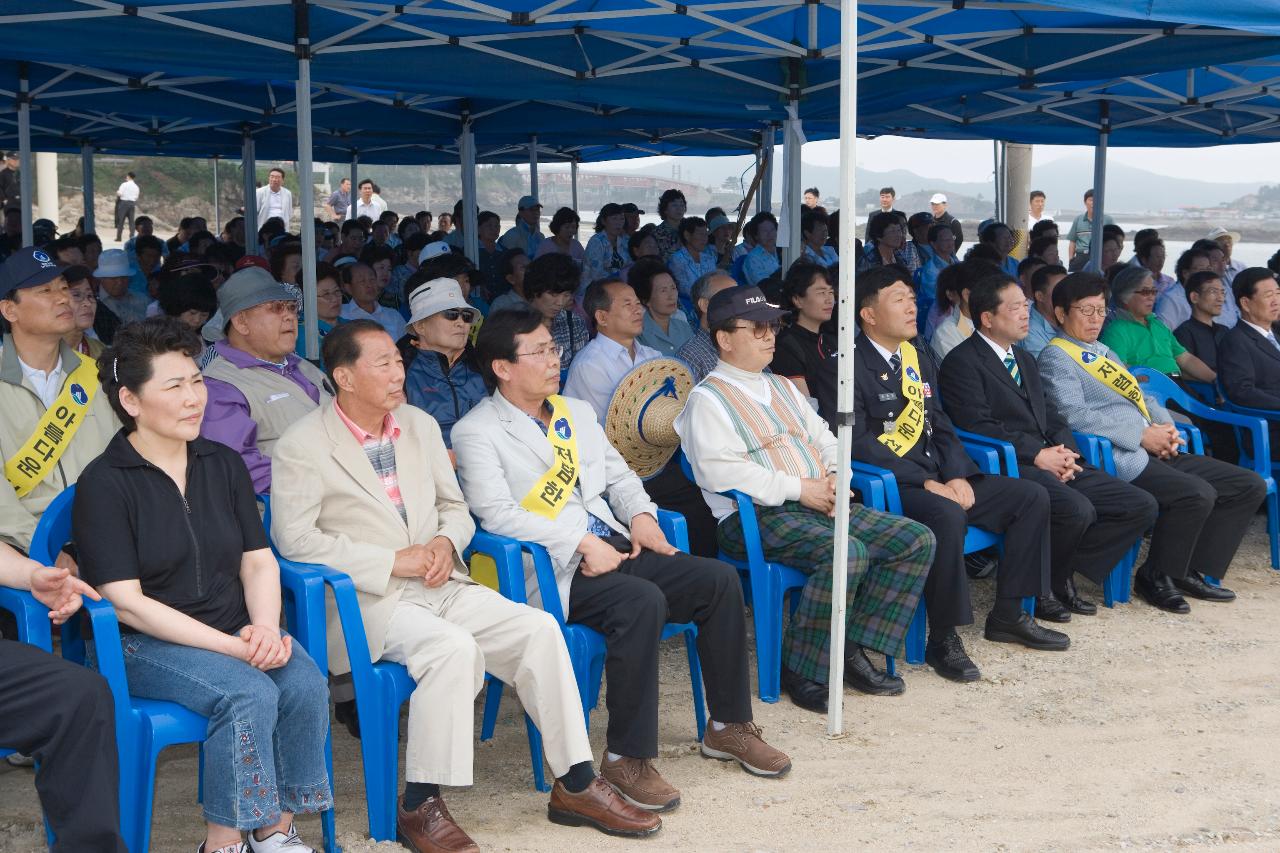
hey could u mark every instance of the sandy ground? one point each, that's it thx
(1153, 732)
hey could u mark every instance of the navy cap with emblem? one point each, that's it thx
(741, 303)
(30, 266)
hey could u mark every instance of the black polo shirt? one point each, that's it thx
(1201, 340)
(131, 522)
(800, 352)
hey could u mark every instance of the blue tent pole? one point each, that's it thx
(86, 169)
(1099, 189)
(533, 165)
(250, 166)
(306, 180)
(844, 367)
(24, 153)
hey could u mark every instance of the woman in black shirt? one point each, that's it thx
(168, 531)
(804, 353)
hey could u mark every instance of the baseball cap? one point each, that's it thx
(253, 261)
(439, 294)
(741, 303)
(937, 198)
(247, 288)
(631, 207)
(528, 201)
(11, 155)
(30, 266)
(718, 222)
(438, 249)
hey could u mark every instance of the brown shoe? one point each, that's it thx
(637, 780)
(600, 806)
(430, 829)
(744, 743)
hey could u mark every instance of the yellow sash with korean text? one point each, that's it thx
(549, 495)
(910, 424)
(1110, 373)
(40, 453)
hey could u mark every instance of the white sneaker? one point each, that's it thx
(279, 842)
(17, 759)
(238, 847)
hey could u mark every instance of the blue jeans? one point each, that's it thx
(265, 750)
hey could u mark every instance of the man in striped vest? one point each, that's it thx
(753, 431)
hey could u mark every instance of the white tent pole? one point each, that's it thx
(86, 168)
(766, 183)
(306, 181)
(573, 183)
(467, 150)
(217, 201)
(1099, 188)
(250, 166)
(533, 165)
(995, 174)
(844, 370)
(355, 183)
(789, 226)
(24, 153)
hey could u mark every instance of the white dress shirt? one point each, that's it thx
(128, 191)
(599, 367)
(47, 385)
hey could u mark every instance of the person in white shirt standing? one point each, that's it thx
(275, 201)
(126, 203)
(368, 204)
(1035, 209)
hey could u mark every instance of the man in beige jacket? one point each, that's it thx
(364, 484)
(53, 421)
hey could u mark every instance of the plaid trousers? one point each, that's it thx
(889, 559)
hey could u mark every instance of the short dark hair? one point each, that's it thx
(191, 291)
(642, 274)
(879, 222)
(868, 283)
(889, 191)
(1035, 194)
(353, 225)
(937, 229)
(1088, 194)
(89, 238)
(1246, 282)
(812, 191)
(415, 243)
(507, 261)
(147, 241)
(800, 278)
(810, 217)
(275, 169)
(497, 339)
(1198, 280)
(485, 215)
(1029, 262)
(1040, 278)
(1111, 231)
(988, 234)
(1145, 247)
(563, 216)
(341, 347)
(667, 197)
(984, 252)
(364, 181)
(1078, 286)
(984, 295)
(1204, 244)
(596, 298)
(451, 265)
(1184, 262)
(127, 363)
(1042, 226)
(753, 224)
(551, 273)
(690, 224)
(1040, 245)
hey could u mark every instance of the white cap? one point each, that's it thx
(938, 198)
(439, 294)
(434, 250)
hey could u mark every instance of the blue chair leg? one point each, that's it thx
(1029, 605)
(327, 823)
(768, 625)
(535, 754)
(695, 679)
(917, 634)
(1273, 527)
(492, 699)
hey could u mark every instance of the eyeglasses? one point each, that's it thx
(89, 296)
(760, 329)
(547, 353)
(454, 314)
(1213, 291)
(1146, 291)
(1091, 311)
(282, 308)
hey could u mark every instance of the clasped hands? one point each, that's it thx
(1162, 440)
(1060, 461)
(599, 557)
(433, 562)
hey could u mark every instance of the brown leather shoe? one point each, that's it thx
(430, 829)
(639, 783)
(744, 743)
(600, 806)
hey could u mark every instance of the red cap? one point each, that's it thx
(253, 261)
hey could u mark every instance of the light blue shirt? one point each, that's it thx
(686, 269)
(1042, 331)
(598, 260)
(827, 257)
(596, 371)
(669, 342)
(522, 237)
(759, 265)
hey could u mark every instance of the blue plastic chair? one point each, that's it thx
(33, 624)
(1243, 420)
(145, 727)
(587, 647)
(381, 687)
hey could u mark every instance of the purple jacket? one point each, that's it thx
(227, 417)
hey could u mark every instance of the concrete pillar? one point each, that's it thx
(1018, 184)
(47, 185)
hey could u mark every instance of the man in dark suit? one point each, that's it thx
(991, 387)
(899, 424)
(1249, 354)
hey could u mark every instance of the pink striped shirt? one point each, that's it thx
(381, 450)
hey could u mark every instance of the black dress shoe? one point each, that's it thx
(979, 564)
(1025, 632)
(1050, 609)
(948, 658)
(1193, 585)
(861, 675)
(1071, 598)
(1158, 591)
(809, 695)
(345, 713)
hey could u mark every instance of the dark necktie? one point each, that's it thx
(1011, 365)
(895, 364)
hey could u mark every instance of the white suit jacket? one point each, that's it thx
(285, 196)
(501, 455)
(328, 506)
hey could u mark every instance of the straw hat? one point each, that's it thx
(640, 421)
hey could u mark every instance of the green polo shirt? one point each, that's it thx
(1152, 345)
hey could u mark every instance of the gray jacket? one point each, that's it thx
(1089, 406)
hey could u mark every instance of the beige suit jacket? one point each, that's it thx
(328, 506)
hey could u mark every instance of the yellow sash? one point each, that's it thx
(910, 424)
(39, 455)
(549, 495)
(1110, 373)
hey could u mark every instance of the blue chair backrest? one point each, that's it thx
(736, 270)
(54, 528)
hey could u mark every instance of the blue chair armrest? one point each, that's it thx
(1096, 450)
(349, 618)
(675, 528)
(1008, 456)
(892, 501)
(1191, 434)
(1252, 420)
(106, 641)
(308, 627)
(505, 554)
(986, 458)
(1265, 414)
(872, 488)
(32, 617)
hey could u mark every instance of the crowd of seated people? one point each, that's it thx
(450, 393)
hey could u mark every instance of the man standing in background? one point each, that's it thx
(10, 182)
(126, 204)
(339, 201)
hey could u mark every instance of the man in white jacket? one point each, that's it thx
(275, 200)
